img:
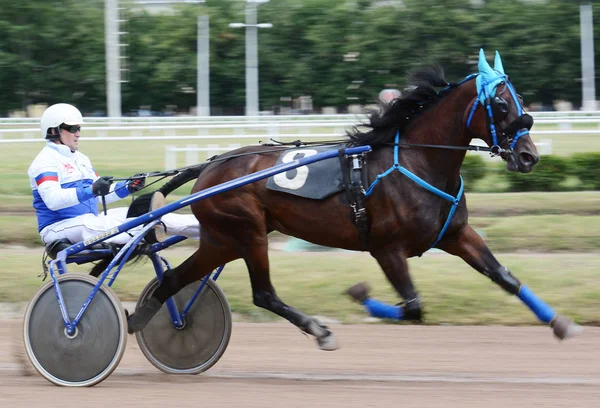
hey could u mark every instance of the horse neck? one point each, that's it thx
(442, 125)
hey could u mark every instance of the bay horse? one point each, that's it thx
(424, 134)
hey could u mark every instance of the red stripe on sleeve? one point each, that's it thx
(47, 178)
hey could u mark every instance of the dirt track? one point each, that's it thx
(273, 365)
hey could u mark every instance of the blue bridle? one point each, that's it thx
(485, 98)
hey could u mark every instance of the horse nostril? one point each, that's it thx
(528, 159)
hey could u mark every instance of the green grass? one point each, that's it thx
(19, 230)
(539, 233)
(452, 292)
(535, 203)
(541, 222)
(480, 204)
(543, 233)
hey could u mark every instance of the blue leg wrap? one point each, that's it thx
(537, 306)
(383, 310)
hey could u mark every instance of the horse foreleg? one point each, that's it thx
(469, 246)
(393, 263)
(264, 296)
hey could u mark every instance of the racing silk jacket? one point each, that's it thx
(61, 182)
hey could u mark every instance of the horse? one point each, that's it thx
(424, 134)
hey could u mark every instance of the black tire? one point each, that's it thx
(94, 351)
(200, 343)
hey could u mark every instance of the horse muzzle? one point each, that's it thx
(523, 157)
(522, 154)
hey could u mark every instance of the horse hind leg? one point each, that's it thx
(197, 266)
(264, 296)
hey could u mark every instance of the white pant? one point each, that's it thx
(87, 226)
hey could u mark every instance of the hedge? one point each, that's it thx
(580, 171)
(586, 167)
(473, 169)
(547, 175)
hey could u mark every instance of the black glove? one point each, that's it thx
(102, 186)
(136, 183)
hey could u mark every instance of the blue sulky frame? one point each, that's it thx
(152, 218)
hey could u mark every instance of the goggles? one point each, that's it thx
(71, 128)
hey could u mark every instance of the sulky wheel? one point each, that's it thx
(202, 340)
(89, 355)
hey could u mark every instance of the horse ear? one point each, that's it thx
(484, 68)
(498, 64)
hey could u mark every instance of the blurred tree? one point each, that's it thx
(163, 60)
(336, 51)
(51, 51)
(227, 55)
(540, 46)
(303, 54)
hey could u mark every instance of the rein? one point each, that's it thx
(277, 146)
(494, 150)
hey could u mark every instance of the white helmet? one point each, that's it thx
(56, 115)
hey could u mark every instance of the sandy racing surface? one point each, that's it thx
(274, 365)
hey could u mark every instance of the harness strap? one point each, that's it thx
(521, 132)
(396, 166)
(353, 175)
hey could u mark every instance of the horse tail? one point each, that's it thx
(141, 205)
(182, 178)
(99, 267)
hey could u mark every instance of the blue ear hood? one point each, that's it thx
(498, 64)
(488, 79)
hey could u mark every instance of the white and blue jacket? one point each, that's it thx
(61, 182)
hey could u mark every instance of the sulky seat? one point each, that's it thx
(54, 247)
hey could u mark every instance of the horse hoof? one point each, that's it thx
(359, 292)
(133, 323)
(142, 316)
(325, 337)
(564, 328)
(127, 318)
(130, 326)
(328, 343)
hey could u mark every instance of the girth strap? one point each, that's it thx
(353, 177)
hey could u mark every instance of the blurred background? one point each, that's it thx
(164, 84)
(314, 56)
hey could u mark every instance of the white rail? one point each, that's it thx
(274, 118)
(191, 153)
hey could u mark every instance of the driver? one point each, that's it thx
(66, 188)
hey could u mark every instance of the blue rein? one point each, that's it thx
(396, 166)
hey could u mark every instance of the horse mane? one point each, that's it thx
(398, 115)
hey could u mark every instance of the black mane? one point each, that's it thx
(398, 115)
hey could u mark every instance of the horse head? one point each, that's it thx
(500, 120)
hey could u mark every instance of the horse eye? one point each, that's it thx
(501, 104)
